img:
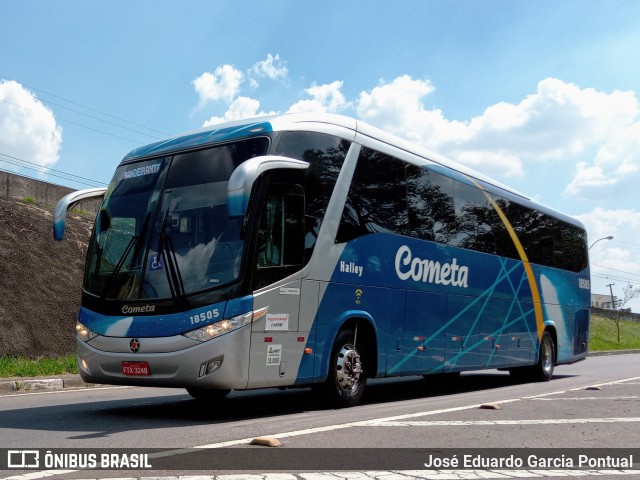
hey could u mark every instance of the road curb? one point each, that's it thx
(39, 384)
(612, 352)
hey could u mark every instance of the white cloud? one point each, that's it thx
(271, 67)
(241, 107)
(326, 98)
(623, 225)
(508, 164)
(616, 164)
(613, 261)
(602, 223)
(28, 129)
(559, 122)
(398, 107)
(223, 84)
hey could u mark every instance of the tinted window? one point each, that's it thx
(570, 247)
(377, 200)
(280, 234)
(388, 195)
(475, 218)
(504, 243)
(325, 154)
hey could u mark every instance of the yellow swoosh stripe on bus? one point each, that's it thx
(537, 302)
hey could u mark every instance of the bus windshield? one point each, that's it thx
(163, 230)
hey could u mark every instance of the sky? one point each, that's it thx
(541, 95)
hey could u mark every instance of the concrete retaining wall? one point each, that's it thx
(17, 186)
(603, 312)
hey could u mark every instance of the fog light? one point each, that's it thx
(210, 366)
(213, 366)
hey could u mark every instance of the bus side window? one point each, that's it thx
(281, 234)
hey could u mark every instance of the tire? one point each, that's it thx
(542, 371)
(209, 395)
(347, 376)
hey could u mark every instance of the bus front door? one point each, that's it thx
(277, 345)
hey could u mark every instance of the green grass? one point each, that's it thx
(46, 366)
(603, 335)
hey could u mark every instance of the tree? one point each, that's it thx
(617, 312)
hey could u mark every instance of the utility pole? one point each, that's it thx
(613, 303)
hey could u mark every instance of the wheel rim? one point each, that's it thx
(547, 357)
(348, 368)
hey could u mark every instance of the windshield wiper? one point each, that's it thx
(174, 277)
(135, 239)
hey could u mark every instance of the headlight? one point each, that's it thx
(213, 330)
(84, 333)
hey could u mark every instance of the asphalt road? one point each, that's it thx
(594, 404)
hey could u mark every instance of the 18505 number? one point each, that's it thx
(204, 316)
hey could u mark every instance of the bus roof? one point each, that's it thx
(296, 121)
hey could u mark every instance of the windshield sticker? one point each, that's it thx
(156, 263)
(277, 321)
(141, 171)
(289, 291)
(274, 353)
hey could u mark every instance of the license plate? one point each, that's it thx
(140, 369)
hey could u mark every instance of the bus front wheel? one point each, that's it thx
(347, 377)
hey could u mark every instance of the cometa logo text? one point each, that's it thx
(128, 309)
(430, 271)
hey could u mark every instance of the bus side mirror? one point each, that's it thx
(244, 176)
(69, 201)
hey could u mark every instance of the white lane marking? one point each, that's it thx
(630, 397)
(578, 389)
(328, 428)
(365, 423)
(459, 423)
(340, 426)
(40, 474)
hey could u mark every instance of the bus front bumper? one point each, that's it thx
(220, 363)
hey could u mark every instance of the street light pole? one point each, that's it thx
(610, 237)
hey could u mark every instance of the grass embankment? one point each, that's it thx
(603, 337)
(24, 367)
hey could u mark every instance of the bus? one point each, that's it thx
(303, 250)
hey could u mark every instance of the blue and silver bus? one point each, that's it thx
(316, 250)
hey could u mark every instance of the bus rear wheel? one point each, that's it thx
(543, 370)
(347, 378)
(210, 395)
